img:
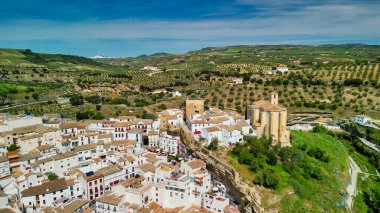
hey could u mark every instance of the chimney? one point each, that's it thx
(273, 98)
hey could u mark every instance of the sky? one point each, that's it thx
(133, 27)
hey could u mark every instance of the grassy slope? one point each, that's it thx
(320, 196)
(310, 195)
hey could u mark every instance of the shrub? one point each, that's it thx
(95, 99)
(76, 100)
(12, 148)
(272, 158)
(320, 129)
(213, 146)
(162, 106)
(52, 176)
(318, 154)
(268, 179)
(82, 115)
(98, 116)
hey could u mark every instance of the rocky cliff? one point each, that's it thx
(247, 196)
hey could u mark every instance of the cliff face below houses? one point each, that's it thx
(248, 197)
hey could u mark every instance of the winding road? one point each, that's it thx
(370, 145)
(351, 188)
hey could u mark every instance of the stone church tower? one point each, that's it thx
(269, 119)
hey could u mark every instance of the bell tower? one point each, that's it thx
(273, 98)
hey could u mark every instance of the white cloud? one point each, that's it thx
(348, 20)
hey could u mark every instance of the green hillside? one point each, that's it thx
(340, 79)
(305, 183)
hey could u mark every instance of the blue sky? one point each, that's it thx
(130, 28)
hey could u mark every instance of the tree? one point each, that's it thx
(272, 158)
(52, 176)
(98, 107)
(213, 146)
(162, 106)
(76, 100)
(268, 179)
(372, 199)
(95, 99)
(98, 116)
(35, 96)
(82, 115)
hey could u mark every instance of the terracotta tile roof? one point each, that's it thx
(44, 147)
(73, 206)
(109, 170)
(7, 210)
(34, 154)
(212, 129)
(196, 209)
(217, 120)
(90, 134)
(231, 209)
(3, 158)
(126, 117)
(110, 199)
(267, 106)
(53, 122)
(131, 181)
(88, 210)
(45, 188)
(102, 136)
(64, 155)
(68, 125)
(13, 154)
(153, 207)
(131, 158)
(196, 164)
(150, 157)
(147, 167)
(198, 122)
(243, 123)
(38, 128)
(70, 182)
(121, 124)
(30, 136)
(146, 121)
(153, 132)
(86, 147)
(123, 143)
(171, 117)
